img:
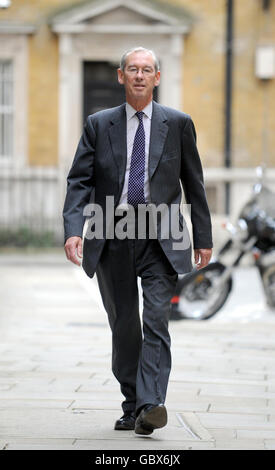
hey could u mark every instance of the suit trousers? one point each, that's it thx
(141, 357)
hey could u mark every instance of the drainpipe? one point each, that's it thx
(228, 96)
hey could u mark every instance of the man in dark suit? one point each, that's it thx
(138, 154)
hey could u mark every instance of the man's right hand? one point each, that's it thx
(72, 245)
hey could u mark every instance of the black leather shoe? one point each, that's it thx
(126, 422)
(151, 417)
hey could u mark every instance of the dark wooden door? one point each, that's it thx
(101, 88)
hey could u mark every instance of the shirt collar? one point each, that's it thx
(130, 111)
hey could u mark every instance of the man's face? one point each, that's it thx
(139, 76)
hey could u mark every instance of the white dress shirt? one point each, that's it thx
(132, 125)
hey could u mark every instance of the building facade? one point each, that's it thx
(58, 61)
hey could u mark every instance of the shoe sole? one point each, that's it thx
(121, 428)
(153, 419)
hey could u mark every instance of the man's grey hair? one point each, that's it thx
(138, 49)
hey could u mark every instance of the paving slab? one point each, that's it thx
(2, 444)
(148, 443)
(27, 441)
(269, 444)
(218, 408)
(256, 433)
(240, 444)
(231, 420)
(223, 377)
(236, 390)
(39, 447)
(34, 403)
(191, 422)
(223, 434)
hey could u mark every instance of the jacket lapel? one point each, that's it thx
(118, 140)
(159, 130)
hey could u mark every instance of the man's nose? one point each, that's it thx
(140, 73)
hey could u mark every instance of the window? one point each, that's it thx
(6, 109)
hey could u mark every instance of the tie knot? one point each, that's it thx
(139, 115)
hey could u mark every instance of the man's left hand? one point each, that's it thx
(202, 257)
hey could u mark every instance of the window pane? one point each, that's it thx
(7, 93)
(1, 135)
(8, 134)
(6, 108)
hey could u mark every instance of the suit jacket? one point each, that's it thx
(98, 171)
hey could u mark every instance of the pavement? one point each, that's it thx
(57, 390)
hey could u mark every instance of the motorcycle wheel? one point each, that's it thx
(197, 299)
(269, 286)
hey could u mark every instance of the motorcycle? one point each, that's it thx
(202, 293)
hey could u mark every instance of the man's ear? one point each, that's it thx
(157, 78)
(120, 76)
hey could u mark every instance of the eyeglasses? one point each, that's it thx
(145, 70)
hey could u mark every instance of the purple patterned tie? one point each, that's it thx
(137, 168)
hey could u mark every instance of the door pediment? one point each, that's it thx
(123, 16)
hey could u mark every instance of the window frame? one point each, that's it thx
(14, 48)
(6, 108)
